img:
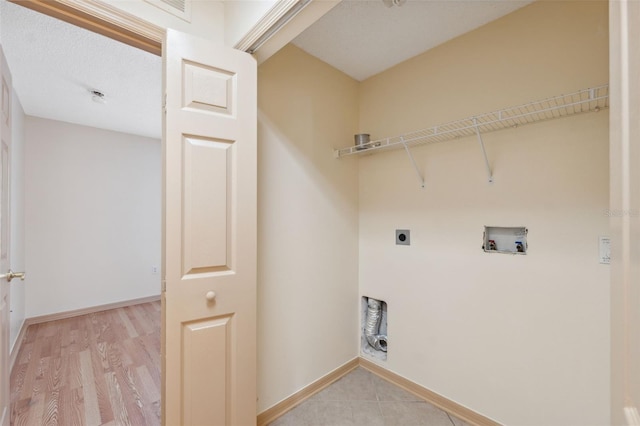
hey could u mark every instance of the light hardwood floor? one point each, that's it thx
(96, 369)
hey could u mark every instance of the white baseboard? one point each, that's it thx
(451, 407)
(287, 404)
(90, 310)
(17, 345)
(439, 401)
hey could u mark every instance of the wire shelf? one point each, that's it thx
(587, 100)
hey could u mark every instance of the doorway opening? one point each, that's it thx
(93, 208)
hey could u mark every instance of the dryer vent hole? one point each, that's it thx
(374, 339)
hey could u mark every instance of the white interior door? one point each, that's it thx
(5, 145)
(209, 249)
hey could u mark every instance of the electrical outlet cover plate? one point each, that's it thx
(403, 237)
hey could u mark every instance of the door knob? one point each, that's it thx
(211, 295)
(11, 275)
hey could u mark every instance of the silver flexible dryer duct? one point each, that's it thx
(372, 325)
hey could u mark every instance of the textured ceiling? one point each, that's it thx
(363, 37)
(54, 66)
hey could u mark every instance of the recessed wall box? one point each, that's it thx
(403, 237)
(503, 239)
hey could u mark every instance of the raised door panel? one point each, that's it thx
(208, 88)
(206, 387)
(207, 169)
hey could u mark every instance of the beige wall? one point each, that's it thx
(521, 339)
(307, 224)
(92, 216)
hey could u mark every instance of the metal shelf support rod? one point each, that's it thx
(484, 152)
(413, 162)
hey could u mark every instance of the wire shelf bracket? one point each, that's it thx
(484, 151)
(583, 101)
(413, 163)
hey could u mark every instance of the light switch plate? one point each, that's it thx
(605, 250)
(403, 237)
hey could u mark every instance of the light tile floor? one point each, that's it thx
(363, 399)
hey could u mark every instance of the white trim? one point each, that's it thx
(117, 17)
(104, 19)
(17, 345)
(265, 23)
(282, 407)
(89, 310)
(624, 145)
(451, 407)
(313, 11)
(440, 401)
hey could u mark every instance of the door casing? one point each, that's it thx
(103, 19)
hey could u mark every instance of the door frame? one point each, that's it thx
(103, 19)
(624, 146)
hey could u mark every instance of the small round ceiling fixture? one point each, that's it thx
(97, 97)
